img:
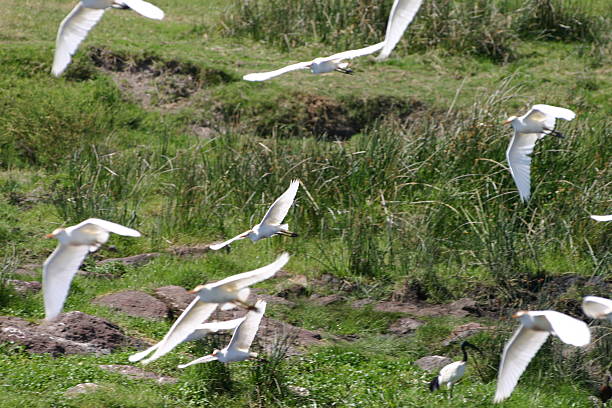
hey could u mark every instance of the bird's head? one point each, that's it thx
(509, 120)
(196, 289)
(520, 313)
(56, 233)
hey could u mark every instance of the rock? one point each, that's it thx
(203, 132)
(293, 290)
(299, 391)
(135, 303)
(84, 388)
(404, 326)
(271, 299)
(30, 270)
(195, 250)
(23, 287)
(457, 308)
(136, 373)
(71, 333)
(361, 303)
(176, 298)
(326, 300)
(134, 260)
(464, 331)
(432, 363)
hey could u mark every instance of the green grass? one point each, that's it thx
(415, 192)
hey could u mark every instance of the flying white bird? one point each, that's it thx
(234, 290)
(192, 317)
(238, 347)
(83, 17)
(528, 129)
(402, 14)
(271, 223)
(199, 331)
(319, 65)
(597, 307)
(74, 244)
(230, 291)
(453, 372)
(602, 217)
(527, 340)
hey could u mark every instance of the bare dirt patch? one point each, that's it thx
(153, 81)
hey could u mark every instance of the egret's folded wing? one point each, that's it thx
(602, 217)
(58, 271)
(518, 352)
(278, 211)
(402, 14)
(216, 247)
(262, 76)
(194, 314)
(107, 226)
(355, 53)
(246, 279)
(568, 329)
(142, 354)
(72, 30)
(145, 9)
(519, 161)
(245, 332)
(597, 307)
(204, 359)
(554, 111)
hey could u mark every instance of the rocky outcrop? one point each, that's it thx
(71, 333)
(135, 303)
(432, 363)
(136, 373)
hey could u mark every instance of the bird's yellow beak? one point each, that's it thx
(49, 236)
(192, 292)
(505, 122)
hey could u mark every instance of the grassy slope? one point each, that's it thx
(452, 207)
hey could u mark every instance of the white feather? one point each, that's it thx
(402, 14)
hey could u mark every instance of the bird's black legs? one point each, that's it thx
(556, 133)
(287, 233)
(345, 70)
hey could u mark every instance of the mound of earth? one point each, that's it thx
(71, 333)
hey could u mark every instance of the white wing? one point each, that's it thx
(142, 354)
(278, 211)
(203, 330)
(355, 53)
(554, 111)
(58, 271)
(243, 280)
(216, 247)
(518, 352)
(204, 359)
(72, 30)
(602, 217)
(262, 76)
(597, 307)
(145, 9)
(107, 226)
(245, 332)
(194, 314)
(519, 160)
(402, 14)
(569, 330)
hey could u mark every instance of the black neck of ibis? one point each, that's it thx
(464, 345)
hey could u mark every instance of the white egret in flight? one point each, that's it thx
(528, 129)
(74, 244)
(238, 347)
(271, 223)
(83, 17)
(319, 65)
(535, 328)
